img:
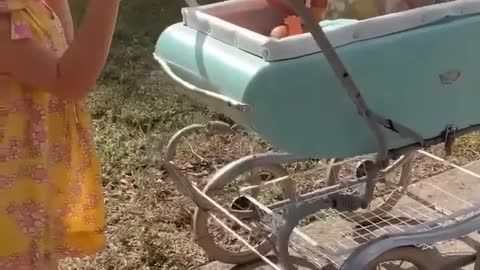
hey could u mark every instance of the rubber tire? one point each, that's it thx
(424, 260)
(215, 252)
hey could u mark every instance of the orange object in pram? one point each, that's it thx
(293, 24)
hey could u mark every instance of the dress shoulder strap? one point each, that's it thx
(20, 28)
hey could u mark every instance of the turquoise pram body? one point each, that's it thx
(420, 68)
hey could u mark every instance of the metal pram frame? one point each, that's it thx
(341, 198)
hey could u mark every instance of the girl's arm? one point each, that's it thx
(72, 75)
(62, 9)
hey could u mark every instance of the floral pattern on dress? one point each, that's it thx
(57, 153)
(21, 31)
(15, 150)
(30, 216)
(39, 174)
(7, 181)
(56, 105)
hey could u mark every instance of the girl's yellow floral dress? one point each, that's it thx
(51, 203)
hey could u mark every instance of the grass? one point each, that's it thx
(135, 111)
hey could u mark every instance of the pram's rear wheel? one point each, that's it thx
(405, 258)
(227, 249)
(391, 183)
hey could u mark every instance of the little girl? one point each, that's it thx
(51, 203)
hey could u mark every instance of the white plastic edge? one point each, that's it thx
(273, 49)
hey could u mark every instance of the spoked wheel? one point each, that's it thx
(219, 243)
(223, 246)
(406, 258)
(391, 183)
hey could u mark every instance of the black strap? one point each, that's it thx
(398, 128)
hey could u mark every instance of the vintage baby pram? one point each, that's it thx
(379, 88)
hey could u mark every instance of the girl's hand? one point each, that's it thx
(75, 73)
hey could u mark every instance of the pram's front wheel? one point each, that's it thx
(221, 246)
(229, 193)
(404, 258)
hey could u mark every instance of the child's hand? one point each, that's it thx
(75, 73)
